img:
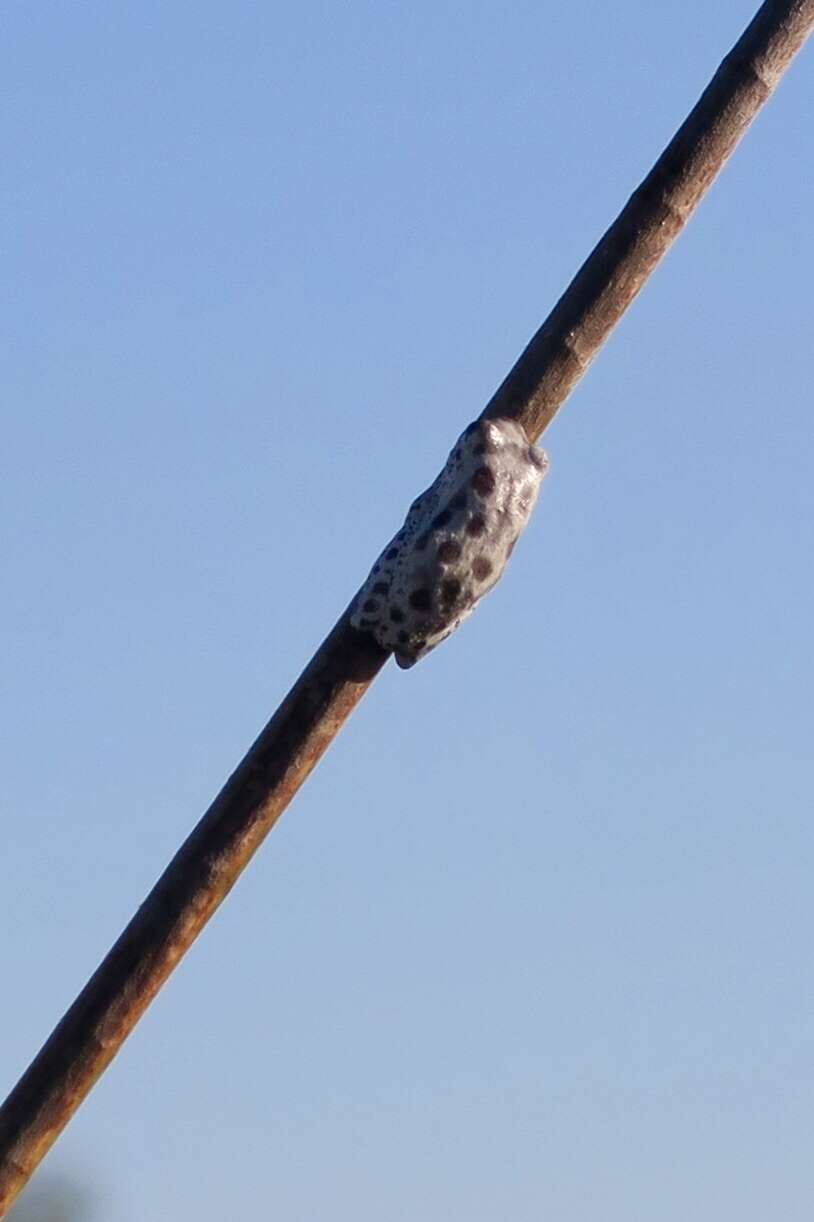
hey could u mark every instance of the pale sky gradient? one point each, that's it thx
(534, 942)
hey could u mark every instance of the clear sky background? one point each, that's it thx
(534, 942)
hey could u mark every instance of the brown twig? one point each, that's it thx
(208, 864)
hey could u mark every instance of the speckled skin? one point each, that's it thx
(454, 543)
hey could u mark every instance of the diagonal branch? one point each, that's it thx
(208, 864)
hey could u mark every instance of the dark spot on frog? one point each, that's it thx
(481, 568)
(483, 481)
(450, 589)
(421, 599)
(449, 551)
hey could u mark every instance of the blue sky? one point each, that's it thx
(535, 939)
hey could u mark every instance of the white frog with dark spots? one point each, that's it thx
(455, 541)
